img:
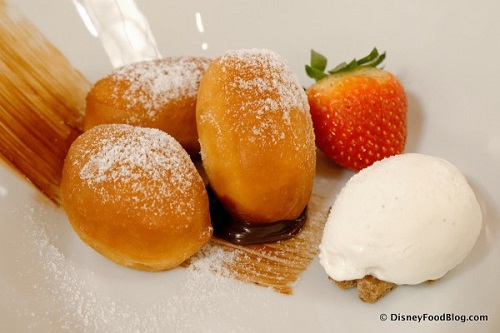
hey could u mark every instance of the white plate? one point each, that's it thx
(444, 52)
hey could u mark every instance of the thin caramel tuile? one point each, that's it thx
(278, 265)
(41, 102)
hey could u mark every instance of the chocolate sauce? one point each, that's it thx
(241, 232)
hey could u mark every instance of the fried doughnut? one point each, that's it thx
(158, 94)
(134, 195)
(256, 136)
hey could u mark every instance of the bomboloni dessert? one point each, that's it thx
(135, 196)
(157, 93)
(407, 219)
(256, 137)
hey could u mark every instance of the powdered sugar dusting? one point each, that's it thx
(61, 285)
(154, 84)
(264, 84)
(277, 79)
(133, 163)
(80, 304)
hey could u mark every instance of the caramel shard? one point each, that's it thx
(277, 265)
(42, 101)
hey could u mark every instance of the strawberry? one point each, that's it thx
(358, 110)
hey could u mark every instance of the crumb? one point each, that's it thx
(370, 289)
(345, 284)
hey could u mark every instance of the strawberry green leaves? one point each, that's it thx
(316, 69)
(318, 65)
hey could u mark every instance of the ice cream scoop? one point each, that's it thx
(406, 219)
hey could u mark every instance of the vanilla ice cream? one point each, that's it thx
(406, 219)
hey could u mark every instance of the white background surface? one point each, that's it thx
(445, 54)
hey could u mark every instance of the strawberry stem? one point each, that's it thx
(316, 70)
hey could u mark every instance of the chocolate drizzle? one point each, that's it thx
(241, 232)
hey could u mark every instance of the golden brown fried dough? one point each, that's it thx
(134, 195)
(157, 93)
(256, 136)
